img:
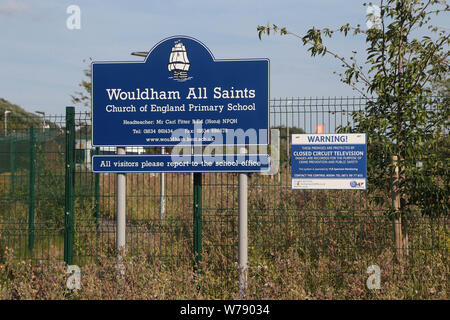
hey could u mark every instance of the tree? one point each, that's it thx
(84, 97)
(405, 125)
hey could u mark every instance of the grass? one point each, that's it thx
(280, 275)
(302, 244)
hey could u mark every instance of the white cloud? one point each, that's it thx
(12, 7)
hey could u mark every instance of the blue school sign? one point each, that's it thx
(182, 163)
(180, 95)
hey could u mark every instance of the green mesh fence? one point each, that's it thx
(32, 187)
(342, 224)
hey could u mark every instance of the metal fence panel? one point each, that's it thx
(338, 223)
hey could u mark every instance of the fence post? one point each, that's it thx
(162, 200)
(97, 193)
(69, 187)
(31, 191)
(12, 164)
(197, 218)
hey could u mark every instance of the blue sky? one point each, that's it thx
(41, 60)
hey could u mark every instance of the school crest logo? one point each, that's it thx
(178, 62)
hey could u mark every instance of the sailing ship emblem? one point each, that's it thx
(178, 62)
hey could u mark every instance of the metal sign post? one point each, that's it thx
(243, 234)
(243, 231)
(121, 201)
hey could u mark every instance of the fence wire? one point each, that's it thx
(343, 224)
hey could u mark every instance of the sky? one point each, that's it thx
(41, 59)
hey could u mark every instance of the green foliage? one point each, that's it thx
(405, 56)
(18, 119)
(83, 97)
